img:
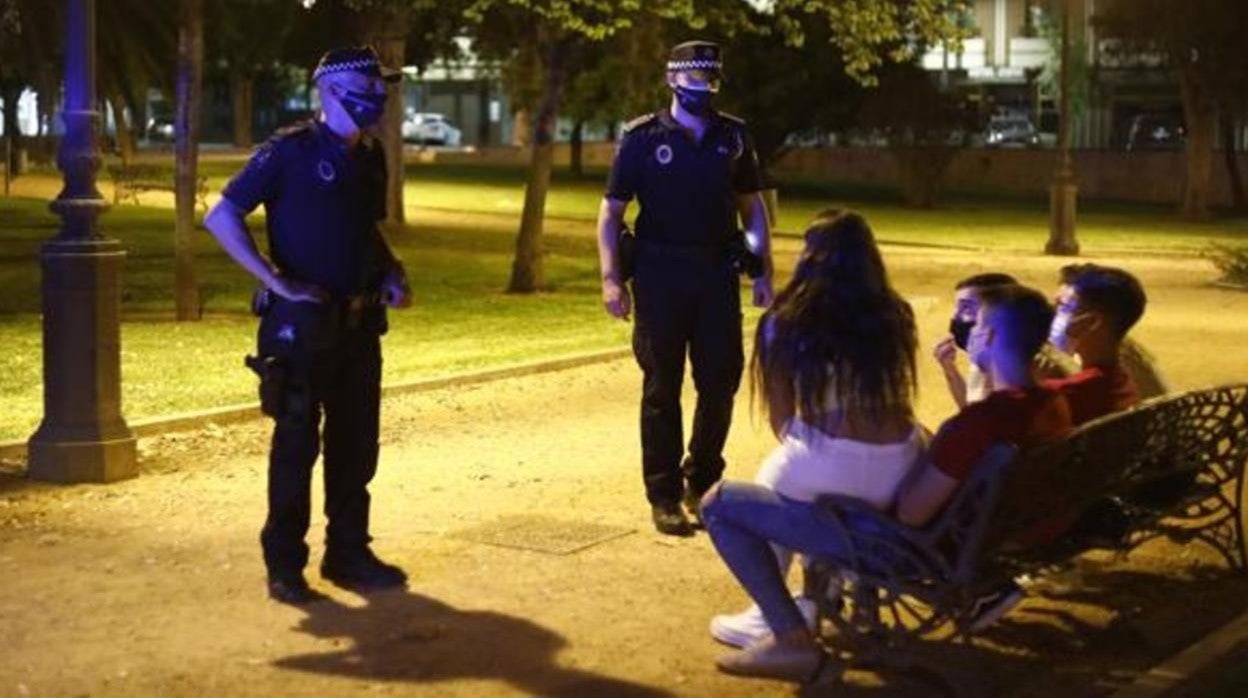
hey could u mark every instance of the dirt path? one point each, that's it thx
(154, 586)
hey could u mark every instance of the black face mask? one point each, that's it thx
(696, 102)
(364, 108)
(961, 331)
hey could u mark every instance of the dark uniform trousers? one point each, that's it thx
(685, 303)
(333, 371)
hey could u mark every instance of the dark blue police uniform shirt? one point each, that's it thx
(687, 189)
(322, 200)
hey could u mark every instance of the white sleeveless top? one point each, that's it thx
(809, 463)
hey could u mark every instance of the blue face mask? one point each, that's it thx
(696, 102)
(364, 108)
(1057, 330)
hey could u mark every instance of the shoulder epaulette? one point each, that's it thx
(732, 118)
(293, 131)
(640, 121)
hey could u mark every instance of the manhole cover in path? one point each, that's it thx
(541, 534)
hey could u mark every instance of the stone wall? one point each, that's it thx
(1145, 177)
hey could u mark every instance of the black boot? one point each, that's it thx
(669, 519)
(292, 589)
(362, 572)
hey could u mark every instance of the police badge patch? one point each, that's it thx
(325, 170)
(663, 154)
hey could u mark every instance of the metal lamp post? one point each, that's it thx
(1064, 192)
(83, 436)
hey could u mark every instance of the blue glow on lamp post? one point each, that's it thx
(83, 436)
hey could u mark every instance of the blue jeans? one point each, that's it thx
(743, 521)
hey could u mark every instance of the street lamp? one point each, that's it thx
(1064, 192)
(83, 436)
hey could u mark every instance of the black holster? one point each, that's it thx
(261, 300)
(626, 252)
(743, 258)
(273, 379)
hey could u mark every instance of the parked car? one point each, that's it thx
(1155, 131)
(160, 128)
(430, 129)
(1004, 131)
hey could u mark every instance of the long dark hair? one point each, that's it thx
(838, 320)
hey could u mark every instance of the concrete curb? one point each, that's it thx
(1181, 667)
(16, 450)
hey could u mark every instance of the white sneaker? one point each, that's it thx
(749, 626)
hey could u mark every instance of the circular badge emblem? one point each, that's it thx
(663, 154)
(325, 170)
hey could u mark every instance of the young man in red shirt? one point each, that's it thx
(1008, 332)
(1096, 307)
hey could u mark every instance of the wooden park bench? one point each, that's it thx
(130, 180)
(1174, 467)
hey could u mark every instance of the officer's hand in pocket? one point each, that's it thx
(616, 299)
(395, 292)
(298, 291)
(763, 293)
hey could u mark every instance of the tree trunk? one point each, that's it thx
(125, 134)
(483, 108)
(577, 150)
(1239, 202)
(388, 35)
(45, 102)
(1201, 114)
(527, 274)
(521, 129)
(186, 147)
(242, 102)
(12, 93)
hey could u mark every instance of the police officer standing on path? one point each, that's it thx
(694, 170)
(327, 281)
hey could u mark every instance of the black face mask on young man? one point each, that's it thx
(961, 331)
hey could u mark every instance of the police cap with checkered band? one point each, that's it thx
(354, 59)
(697, 65)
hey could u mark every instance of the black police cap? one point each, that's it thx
(354, 59)
(695, 55)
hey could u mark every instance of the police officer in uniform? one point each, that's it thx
(694, 171)
(327, 279)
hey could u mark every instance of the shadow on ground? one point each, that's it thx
(1086, 631)
(403, 637)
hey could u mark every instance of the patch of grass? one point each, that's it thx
(973, 222)
(1231, 261)
(461, 320)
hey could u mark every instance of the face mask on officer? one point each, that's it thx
(695, 90)
(364, 108)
